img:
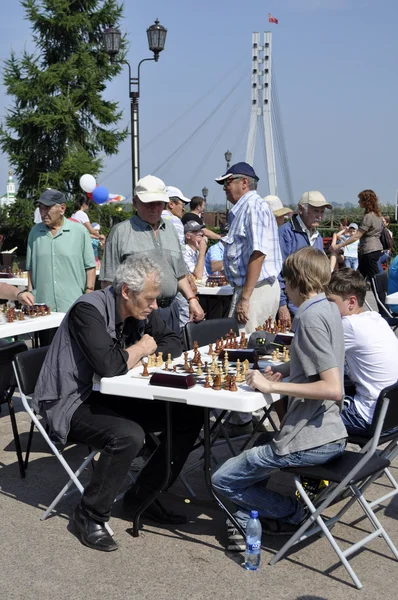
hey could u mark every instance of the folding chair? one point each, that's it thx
(351, 474)
(379, 288)
(27, 368)
(206, 332)
(8, 351)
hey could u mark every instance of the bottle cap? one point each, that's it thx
(253, 514)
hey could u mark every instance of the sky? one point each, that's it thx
(335, 66)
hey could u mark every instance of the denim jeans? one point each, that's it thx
(351, 262)
(353, 421)
(116, 426)
(243, 480)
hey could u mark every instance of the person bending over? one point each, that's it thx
(371, 349)
(105, 334)
(312, 431)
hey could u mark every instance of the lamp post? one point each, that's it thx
(228, 158)
(205, 191)
(156, 40)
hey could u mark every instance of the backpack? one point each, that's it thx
(386, 239)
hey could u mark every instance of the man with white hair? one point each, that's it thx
(106, 334)
(147, 234)
(300, 231)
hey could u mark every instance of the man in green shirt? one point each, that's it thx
(60, 259)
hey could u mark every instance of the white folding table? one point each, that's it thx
(18, 281)
(220, 290)
(133, 385)
(31, 325)
(392, 298)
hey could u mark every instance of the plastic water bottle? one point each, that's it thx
(253, 542)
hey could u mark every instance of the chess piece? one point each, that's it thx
(233, 387)
(191, 369)
(145, 372)
(207, 382)
(174, 368)
(186, 364)
(169, 360)
(255, 362)
(159, 360)
(210, 351)
(48, 310)
(217, 383)
(199, 370)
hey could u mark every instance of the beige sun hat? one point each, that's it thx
(277, 207)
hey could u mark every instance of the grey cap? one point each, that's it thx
(193, 226)
(51, 197)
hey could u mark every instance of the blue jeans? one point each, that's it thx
(353, 421)
(243, 480)
(351, 262)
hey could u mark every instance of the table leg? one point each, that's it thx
(207, 468)
(169, 463)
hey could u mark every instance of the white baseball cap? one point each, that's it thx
(316, 199)
(151, 189)
(352, 226)
(276, 206)
(174, 192)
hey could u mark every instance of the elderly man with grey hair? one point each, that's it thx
(105, 334)
(300, 231)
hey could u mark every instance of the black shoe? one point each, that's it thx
(156, 512)
(92, 533)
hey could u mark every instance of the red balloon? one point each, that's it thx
(89, 195)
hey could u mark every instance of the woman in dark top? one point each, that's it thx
(368, 234)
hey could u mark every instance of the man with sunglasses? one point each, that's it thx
(252, 258)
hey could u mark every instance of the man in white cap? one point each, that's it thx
(174, 210)
(300, 231)
(279, 211)
(146, 234)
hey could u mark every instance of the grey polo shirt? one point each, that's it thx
(318, 345)
(136, 237)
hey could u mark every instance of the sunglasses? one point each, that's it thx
(230, 180)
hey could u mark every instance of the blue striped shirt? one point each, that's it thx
(252, 227)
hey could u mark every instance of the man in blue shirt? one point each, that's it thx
(252, 258)
(299, 232)
(393, 282)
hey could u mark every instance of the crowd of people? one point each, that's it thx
(274, 259)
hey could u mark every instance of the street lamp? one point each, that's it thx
(228, 157)
(205, 191)
(156, 41)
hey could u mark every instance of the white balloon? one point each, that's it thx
(87, 183)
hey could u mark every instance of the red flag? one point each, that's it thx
(272, 19)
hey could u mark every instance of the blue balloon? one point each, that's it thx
(100, 194)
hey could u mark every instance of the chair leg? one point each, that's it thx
(32, 426)
(17, 441)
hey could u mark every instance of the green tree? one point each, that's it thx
(59, 124)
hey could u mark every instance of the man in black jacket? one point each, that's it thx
(105, 334)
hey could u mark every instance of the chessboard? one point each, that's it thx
(12, 314)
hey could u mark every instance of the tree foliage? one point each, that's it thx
(59, 123)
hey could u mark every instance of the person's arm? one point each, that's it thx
(87, 328)
(328, 387)
(91, 230)
(90, 280)
(30, 283)
(195, 310)
(286, 245)
(10, 292)
(357, 236)
(200, 263)
(253, 274)
(111, 258)
(211, 235)
(217, 265)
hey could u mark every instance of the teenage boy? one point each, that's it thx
(371, 349)
(312, 431)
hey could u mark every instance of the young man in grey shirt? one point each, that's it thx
(312, 431)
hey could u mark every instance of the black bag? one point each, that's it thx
(386, 239)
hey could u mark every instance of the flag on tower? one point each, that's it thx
(272, 19)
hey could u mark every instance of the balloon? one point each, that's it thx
(87, 182)
(89, 195)
(100, 194)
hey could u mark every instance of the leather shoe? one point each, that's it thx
(92, 533)
(156, 512)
